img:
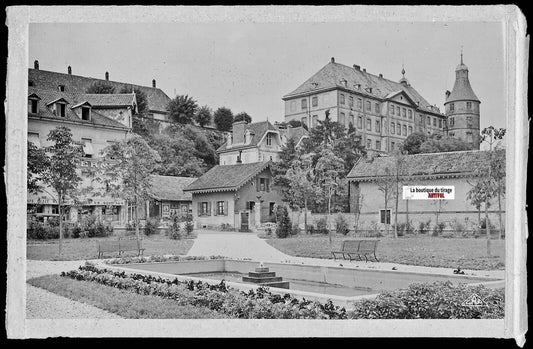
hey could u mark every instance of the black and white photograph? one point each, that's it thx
(266, 171)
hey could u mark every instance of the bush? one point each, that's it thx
(438, 228)
(76, 231)
(439, 300)
(150, 227)
(311, 229)
(174, 231)
(283, 222)
(189, 225)
(295, 229)
(41, 231)
(322, 226)
(423, 227)
(341, 225)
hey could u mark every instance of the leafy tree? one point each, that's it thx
(489, 178)
(61, 173)
(129, 165)
(301, 186)
(101, 87)
(412, 143)
(203, 148)
(142, 100)
(386, 184)
(283, 222)
(203, 116)
(38, 162)
(142, 124)
(243, 116)
(287, 157)
(182, 109)
(328, 169)
(223, 118)
(438, 144)
(177, 155)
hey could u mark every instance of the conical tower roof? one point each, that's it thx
(462, 91)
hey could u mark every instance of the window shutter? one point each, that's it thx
(267, 184)
(215, 211)
(199, 213)
(225, 208)
(257, 183)
(209, 208)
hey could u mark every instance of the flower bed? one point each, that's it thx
(258, 304)
(159, 259)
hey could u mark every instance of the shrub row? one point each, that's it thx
(439, 300)
(88, 227)
(155, 259)
(254, 304)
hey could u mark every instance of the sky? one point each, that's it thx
(250, 66)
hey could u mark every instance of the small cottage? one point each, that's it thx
(239, 196)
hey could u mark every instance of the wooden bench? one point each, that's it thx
(357, 248)
(119, 246)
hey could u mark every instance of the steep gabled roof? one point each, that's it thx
(49, 96)
(227, 177)
(332, 75)
(110, 100)
(450, 164)
(170, 188)
(42, 79)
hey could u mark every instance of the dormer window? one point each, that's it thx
(59, 109)
(61, 88)
(30, 83)
(86, 113)
(269, 140)
(33, 105)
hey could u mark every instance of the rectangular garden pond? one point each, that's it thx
(340, 284)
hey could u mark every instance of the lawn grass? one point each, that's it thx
(126, 304)
(424, 251)
(80, 249)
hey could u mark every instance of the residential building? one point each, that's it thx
(94, 120)
(383, 112)
(367, 183)
(462, 108)
(167, 196)
(257, 142)
(53, 81)
(239, 196)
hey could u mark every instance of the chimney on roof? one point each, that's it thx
(356, 67)
(332, 59)
(237, 131)
(69, 70)
(107, 76)
(153, 83)
(36, 64)
(380, 75)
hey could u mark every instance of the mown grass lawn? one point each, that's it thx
(80, 249)
(424, 251)
(126, 304)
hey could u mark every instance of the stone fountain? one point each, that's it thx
(264, 277)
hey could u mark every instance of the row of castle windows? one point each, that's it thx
(468, 106)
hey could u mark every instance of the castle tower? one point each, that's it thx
(462, 108)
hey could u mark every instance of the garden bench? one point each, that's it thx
(119, 246)
(357, 248)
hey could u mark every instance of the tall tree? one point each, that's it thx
(223, 118)
(287, 157)
(301, 185)
(129, 165)
(182, 109)
(62, 171)
(386, 183)
(38, 162)
(142, 124)
(203, 116)
(101, 87)
(328, 170)
(243, 116)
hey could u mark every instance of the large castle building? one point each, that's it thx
(383, 112)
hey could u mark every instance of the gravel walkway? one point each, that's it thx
(41, 304)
